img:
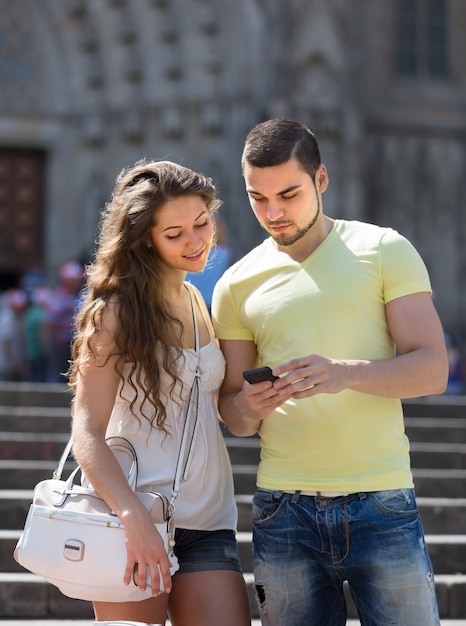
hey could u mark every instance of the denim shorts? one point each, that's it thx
(305, 547)
(201, 550)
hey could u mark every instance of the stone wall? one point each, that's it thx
(99, 84)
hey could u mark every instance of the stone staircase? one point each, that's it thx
(34, 427)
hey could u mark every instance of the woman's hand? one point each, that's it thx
(147, 556)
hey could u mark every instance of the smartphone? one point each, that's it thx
(259, 374)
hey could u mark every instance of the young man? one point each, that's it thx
(342, 312)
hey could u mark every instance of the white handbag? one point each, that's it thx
(73, 539)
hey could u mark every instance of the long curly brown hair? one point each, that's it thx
(128, 270)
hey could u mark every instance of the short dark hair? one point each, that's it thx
(277, 141)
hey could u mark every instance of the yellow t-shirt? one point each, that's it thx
(332, 304)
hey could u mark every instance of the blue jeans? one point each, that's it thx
(305, 547)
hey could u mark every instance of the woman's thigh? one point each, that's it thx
(209, 598)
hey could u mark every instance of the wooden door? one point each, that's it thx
(22, 212)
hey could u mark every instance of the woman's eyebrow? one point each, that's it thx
(195, 219)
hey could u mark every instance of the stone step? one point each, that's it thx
(25, 473)
(28, 596)
(57, 394)
(438, 469)
(447, 552)
(56, 419)
(8, 541)
(434, 406)
(34, 419)
(438, 455)
(34, 427)
(444, 516)
(45, 446)
(32, 445)
(440, 483)
(436, 429)
(14, 506)
(21, 476)
(34, 394)
(41, 433)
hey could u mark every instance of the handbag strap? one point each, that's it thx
(61, 463)
(188, 436)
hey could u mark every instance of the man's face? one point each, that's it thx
(285, 199)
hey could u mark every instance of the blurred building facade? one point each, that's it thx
(90, 86)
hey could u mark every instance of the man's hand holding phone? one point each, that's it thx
(260, 400)
(259, 375)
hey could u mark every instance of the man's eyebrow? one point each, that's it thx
(280, 193)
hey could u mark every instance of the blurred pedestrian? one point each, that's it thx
(13, 361)
(34, 318)
(63, 305)
(455, 385)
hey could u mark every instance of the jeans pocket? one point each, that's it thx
(396, 501)
(266, 507)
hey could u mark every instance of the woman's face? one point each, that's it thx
(182, 233)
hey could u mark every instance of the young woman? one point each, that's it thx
(133, 366)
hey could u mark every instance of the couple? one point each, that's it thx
(342, 312)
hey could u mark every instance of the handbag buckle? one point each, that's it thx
(73, 550)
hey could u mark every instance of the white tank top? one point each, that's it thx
(206, 497)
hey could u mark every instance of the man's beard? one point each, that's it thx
(299, 234)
